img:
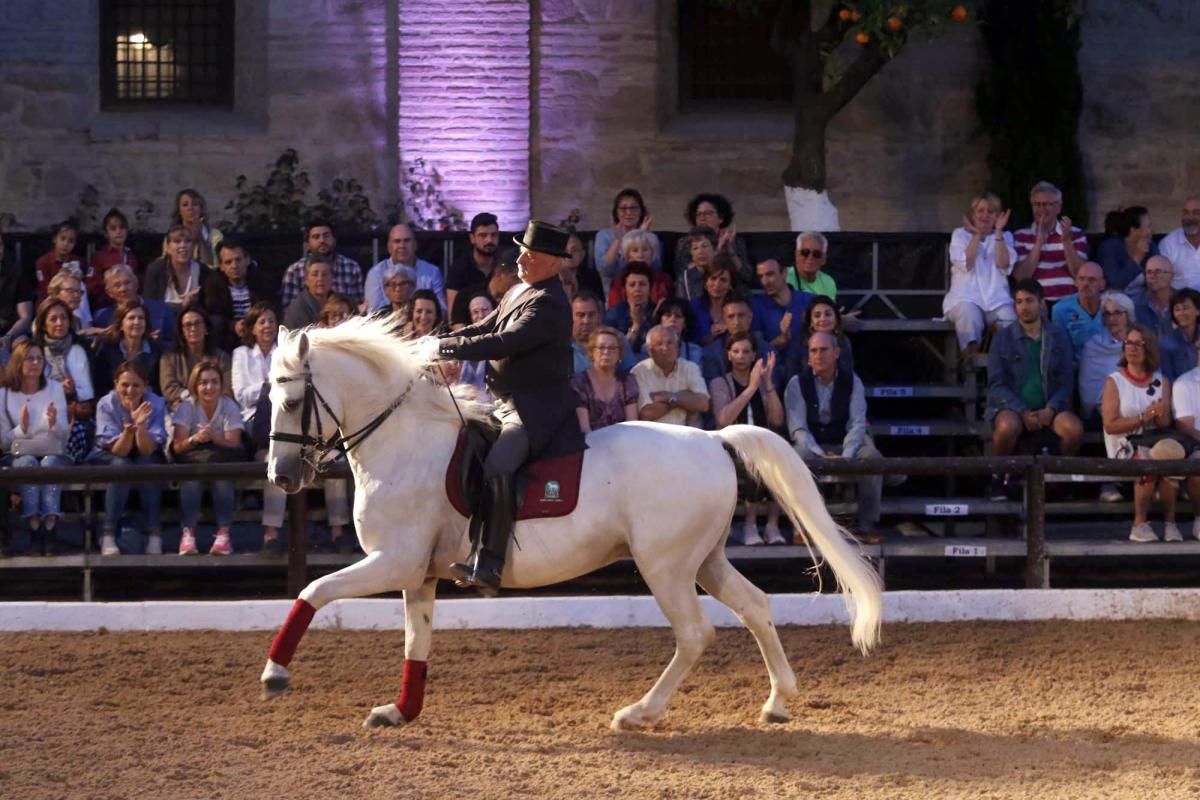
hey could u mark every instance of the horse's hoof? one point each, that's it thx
(274, 687)
(773, 717)
(630, 719)
(384, 717)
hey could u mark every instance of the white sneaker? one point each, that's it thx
(774, 535)
(750, 535)
(1142, 533)
(108, 545)
(153, 545)
(1171, 533)
(1109, 493)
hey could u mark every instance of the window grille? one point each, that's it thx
(725, 54)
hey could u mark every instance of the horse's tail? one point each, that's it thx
(773, 461)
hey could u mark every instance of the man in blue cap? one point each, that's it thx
(526, 341)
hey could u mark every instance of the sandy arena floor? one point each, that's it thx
(980, 710)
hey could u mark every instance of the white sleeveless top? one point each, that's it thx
(1133, 400)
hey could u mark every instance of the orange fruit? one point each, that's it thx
(893, 24)
(855, 16)
(958, 13)
(862, 38)
(844, 15)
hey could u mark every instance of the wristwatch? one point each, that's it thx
(674, 399)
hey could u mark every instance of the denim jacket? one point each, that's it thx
(1006, 368)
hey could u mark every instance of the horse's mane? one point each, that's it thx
(374, 340)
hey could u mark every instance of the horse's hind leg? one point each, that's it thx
(418, 637)
(721, 580)
(676, 596)
(374, 574)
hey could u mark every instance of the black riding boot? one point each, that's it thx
(485, 573)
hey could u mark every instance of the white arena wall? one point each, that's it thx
(604, 612)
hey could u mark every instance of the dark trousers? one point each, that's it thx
(511, 448)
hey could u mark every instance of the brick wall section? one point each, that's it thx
(464, 101)
(316, 79)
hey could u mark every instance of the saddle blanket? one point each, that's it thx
(551, 485)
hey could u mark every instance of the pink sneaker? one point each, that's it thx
(187, 543)
(221, 546)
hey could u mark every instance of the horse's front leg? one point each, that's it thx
(418, 638)
(374, 574)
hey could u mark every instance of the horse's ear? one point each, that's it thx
(303, 349)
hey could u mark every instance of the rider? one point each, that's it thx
(527, 343)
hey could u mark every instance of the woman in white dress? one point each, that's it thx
(981, 258)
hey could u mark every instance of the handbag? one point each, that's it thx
(1151, 438)
(211, 454)
(260, 428)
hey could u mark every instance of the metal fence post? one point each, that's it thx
(1037, 573)
(297, 574)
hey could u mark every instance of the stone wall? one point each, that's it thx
(313, 75)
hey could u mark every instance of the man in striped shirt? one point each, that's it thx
(1040, 251)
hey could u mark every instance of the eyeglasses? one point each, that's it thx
(807, 253)
(65, 290)
(194, 324)
(606, 348)
(629, 208)
(1136, 345)
(32, 359)
(1048, 204)
(1116, 313)
(1154, 273)
(398, 284)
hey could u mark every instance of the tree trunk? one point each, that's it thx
(806, 170)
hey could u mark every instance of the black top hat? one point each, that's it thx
(545, 238)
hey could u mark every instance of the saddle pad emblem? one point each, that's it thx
(551, 491)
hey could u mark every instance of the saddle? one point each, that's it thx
(545, 488)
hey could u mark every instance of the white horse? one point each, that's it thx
(662, 494)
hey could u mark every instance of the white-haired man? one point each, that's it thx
(812, 249)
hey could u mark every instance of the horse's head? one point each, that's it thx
(291, 462)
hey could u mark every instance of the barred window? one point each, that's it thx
(159, 52)
(725, 54)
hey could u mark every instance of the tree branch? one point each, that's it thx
(870, 60)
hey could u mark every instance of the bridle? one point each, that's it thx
(317, 451)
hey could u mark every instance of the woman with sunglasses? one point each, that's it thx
(1137, 400)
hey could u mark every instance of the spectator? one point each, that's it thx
(714, 211)
(638, 245)
(607, 394)
(575, 266)
(981, 259)
(629, 214)
(191, 212)
(1182, 246)
(67, 363)
(399, 283)
(746, 395)
(779, 310)
(335, 310)
(62, 259)
(1030, 378)
(585, 318)
(632, 315)
(821, 316)
(130, 430)
(738, 318)
(570, 283)
(470, 272)
(305, 309)
(116, 232)
(676, 313)
(1079, 314)
(120, 284)
(16, 301)
(719, 285)
(670, 389)
(208, 429)
(34, 429)
(127, 341)
(426, 318)
(347, 279)
(1040, 247)
(231, 290)
(194, 343)
(1102, 352)
(701, 250)
(1180, 345)
(504, 277)
(66, 287)
(251, 388)
(475, 372)
(176, 277)
(1123, 253)
(402, 252)
(1153, 306)
(812, 250)
(827, 416)
(1137, 399)
(1185, 403)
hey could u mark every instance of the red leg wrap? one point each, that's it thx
(288, 638)
(412, 690)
